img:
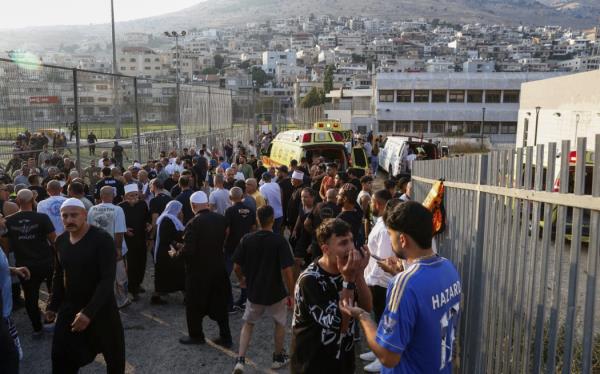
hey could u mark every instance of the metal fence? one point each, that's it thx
(60, 107)
(523, 230)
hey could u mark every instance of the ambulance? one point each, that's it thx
(313, 144)
(334, 125)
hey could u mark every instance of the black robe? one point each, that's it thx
(206, 282)
(84, 277)
(169, 274)
(136, 218)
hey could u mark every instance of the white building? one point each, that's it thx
(272, 59)
(580, 64)
(545, 116)
(432, 104)
(479, 66)
(353, 108)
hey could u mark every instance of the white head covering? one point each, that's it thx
(171, 211)
(132, 187)
(199, 197)
(297, 174)
(72, 202)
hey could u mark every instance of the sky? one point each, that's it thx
(28, 13)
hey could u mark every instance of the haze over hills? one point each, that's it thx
(218, 13)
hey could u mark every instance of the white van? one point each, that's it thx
(393, 154)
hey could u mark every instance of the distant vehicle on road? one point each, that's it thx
(393, 156)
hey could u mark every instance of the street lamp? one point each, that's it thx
(537, 118)
(176, 35)
(116, 114)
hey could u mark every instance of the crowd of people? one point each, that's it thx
(346, 259)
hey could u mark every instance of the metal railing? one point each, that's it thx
(60, 107)
(527, 255)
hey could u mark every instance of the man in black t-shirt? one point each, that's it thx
(261, 262)
(323, 337)
(117, 153)
(92, 139)
(240, 221)
(108, 180)
(29, 235)
(351, 213)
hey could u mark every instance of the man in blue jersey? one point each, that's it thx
(417, 329)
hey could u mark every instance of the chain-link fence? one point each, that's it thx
(58, 112)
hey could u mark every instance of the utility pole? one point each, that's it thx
(116, 111)
(537, 118)
(176, 35)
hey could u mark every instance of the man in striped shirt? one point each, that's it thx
(417, 330)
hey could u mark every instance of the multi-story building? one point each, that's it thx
(432, 104)
(141, 62)
(302, 40)
(272, 59)
(580, 64)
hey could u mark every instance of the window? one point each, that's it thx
(104, 110)
(421, 96)
(147, 68)
(475, 96)
(473, 127)
(437, 127)
(419, 127)
(438, 96)
(491, 127)
(84, 99)
(456, 127)
(457, 97)
(102, 87)
(122, 59)
(508, 128)
(492, 96)
(156, 60)
(386, 96)
(511, 96)
(88, 111)
(147, 60)
(123, 68)
(132, 68)
(386, 126)
(39, 114)
(102, 99)
(403, 127)
(525, 131)
(132, 60)
(403, 96)
(157, 68)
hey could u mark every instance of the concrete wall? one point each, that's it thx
(569, 108)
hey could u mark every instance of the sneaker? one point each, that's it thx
(280, 360)
(368, 356)
(373, 367)
(192, 341)
(240, 363)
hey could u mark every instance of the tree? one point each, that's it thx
(259, 76)
(328, 78)
(219, 61)
(210, 70)
(314, 97)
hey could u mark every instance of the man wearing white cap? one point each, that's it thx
(82, 295)
(294, 203)
(206, 284)
(137, 220)
(111, 218)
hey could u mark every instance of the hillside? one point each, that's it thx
(216, 13)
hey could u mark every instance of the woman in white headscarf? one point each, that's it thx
(169, 274)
